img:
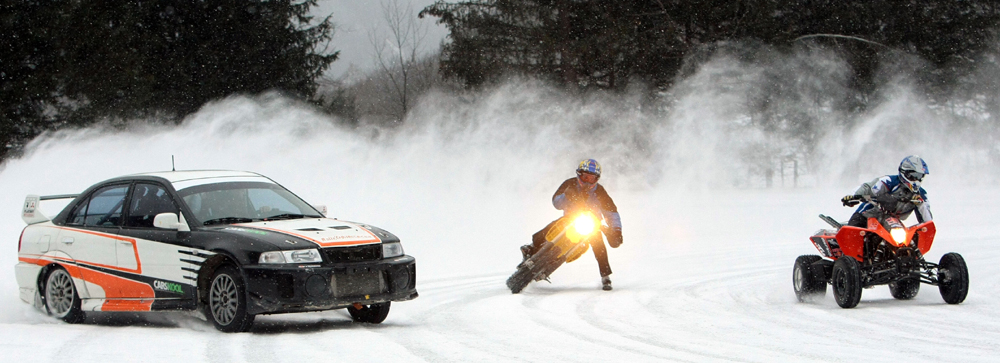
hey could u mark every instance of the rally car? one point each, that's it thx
(232, 244)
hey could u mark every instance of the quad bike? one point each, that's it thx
(885, 252)
(567, 239)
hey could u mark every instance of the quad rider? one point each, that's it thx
(897, 195)
(583, 193)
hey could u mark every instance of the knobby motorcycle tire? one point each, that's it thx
(519, 279)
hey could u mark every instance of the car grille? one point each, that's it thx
(371, 252)
(358, 284)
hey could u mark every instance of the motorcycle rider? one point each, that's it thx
(584, 193)
(898, 195)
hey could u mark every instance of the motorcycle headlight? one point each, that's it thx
(898, 235)
(584, 225)
(296, 256)
(392, 249)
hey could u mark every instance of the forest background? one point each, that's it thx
(77, 63)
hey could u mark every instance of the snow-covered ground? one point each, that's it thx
(704, 273)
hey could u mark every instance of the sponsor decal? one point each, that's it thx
(29, 207)
(168, 286)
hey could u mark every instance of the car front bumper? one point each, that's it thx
(285, 289)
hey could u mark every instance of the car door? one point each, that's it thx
(157, 250)
(90, 237)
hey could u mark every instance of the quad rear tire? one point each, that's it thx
(953, 278)
(227, 301)
(846, 282)
(372, 314)
(807, 286)
(61, 299)
(904, 289)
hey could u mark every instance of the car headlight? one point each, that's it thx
(898, 235)
(295, 256)
(392, 249)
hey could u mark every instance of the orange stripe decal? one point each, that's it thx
(135, 249)
(373, 238)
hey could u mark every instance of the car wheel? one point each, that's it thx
(373, 314)
(953, 278)
(846, 282)
(904, 289)
(807, 287)
(227, 301)
(61, 299)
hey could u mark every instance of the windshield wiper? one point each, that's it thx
(227, 220)
(289, 216)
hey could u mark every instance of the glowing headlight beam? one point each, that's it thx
(898, 235)
(584, 225)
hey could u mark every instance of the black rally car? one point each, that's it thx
(235, 244)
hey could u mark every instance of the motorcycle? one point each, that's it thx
(567, 240)
(884, 252)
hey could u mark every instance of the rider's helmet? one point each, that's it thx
(911, 172)
(588, 172)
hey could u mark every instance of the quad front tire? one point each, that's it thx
(846, 282)
(61, 299)
(953, 278)
(372, 314)
(807, 286)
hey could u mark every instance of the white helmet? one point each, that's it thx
(912, 171)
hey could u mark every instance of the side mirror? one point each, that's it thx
(171, 221)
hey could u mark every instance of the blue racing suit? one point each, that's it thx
(894, 197)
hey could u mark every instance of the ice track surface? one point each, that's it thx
(687, 289)
(704, 274)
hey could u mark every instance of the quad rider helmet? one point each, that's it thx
(588, 173)
(912, 171)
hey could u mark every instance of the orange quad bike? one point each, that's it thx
(567, 240)
(884, 252)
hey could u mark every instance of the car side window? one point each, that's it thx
(105, 207)
(79, 214)
(147, 201)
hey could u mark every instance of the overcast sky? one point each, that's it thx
(355, 18)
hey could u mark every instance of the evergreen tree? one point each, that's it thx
(71, 62)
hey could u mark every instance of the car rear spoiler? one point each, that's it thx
(31, 214)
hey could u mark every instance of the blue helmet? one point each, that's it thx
(589, 166)
(912, 171)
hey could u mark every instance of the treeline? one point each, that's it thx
(608, 44)
(73, 62)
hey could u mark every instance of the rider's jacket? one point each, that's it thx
(572, 197)
(890, 192)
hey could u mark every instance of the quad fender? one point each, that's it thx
(925, 236)
(852, 241)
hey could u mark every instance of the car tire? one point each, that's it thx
(904, 289)
(807, 286)
(953, 278)
(61, 299)
(226, 307)
(372, 314)
(846, 282)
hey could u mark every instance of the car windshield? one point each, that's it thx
(241, 202)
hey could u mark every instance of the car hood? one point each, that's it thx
(299, 233)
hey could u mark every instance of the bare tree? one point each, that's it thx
(396, 53)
